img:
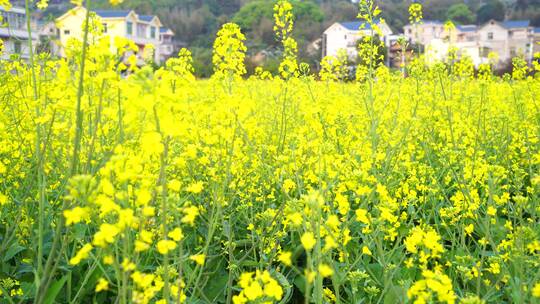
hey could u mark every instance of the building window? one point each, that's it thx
(490, 36)
(484, 51)
(142, 30)
(67, 32)
(153, 32)
(17, 47)
(513, 52)
(105, 29)
(130, 28)
(510, 34)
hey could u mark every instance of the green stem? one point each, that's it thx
(51, 265)
(39, 158)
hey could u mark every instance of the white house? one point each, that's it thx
(166, 36)
(14, 33)
(463, 38)
(507, 39)
(423, 33)
(536, 42)
(437, 50)
(466, 33)
(345, 35)
(143, 30)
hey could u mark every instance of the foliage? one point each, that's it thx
(251, 13)
(493, 9)
(460, 14)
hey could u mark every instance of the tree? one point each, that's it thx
(252, 13)
(437, 9)
(494, 9)
(460, 14)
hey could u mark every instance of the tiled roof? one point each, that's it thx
(112, 14)
(516, 23)
(356, 25)
(467, 28)
(146, 18)
(14, 9)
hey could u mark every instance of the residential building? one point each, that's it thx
(462, 38)
(423, 33)
(345, 35)
(536, 40)
(48, 42)
(143, 30)
(14, 33)
(167, 47)
(465, 33)
(400, 53)
(507, 39)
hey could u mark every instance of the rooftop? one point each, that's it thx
(516, 23)
(14, 9)
(356, 25)
(466, 28)
(112, 14)
(146, 18)
(164, 29)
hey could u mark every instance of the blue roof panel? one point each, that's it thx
(466, 28)
(516, 23)
(112, 14)
(356, 25)
(146, 18)
(536, 30)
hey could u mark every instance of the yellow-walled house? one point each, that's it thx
(143, 30)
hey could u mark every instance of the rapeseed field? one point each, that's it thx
(129, 184)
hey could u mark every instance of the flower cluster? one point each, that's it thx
(258, 287)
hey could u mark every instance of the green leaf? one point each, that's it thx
(283, 282)
(12, 251)
(395, 294)
(300, 283)
(215, 288)
(54, 290)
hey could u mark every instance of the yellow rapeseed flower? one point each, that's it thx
(285, 258)
(102, 285)
(308, 240)
(82, 254)
(164, 246)
(75, 215)
(176, 234)
(196, 187)
(325, 270)
(198, 258)
(536, 290)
